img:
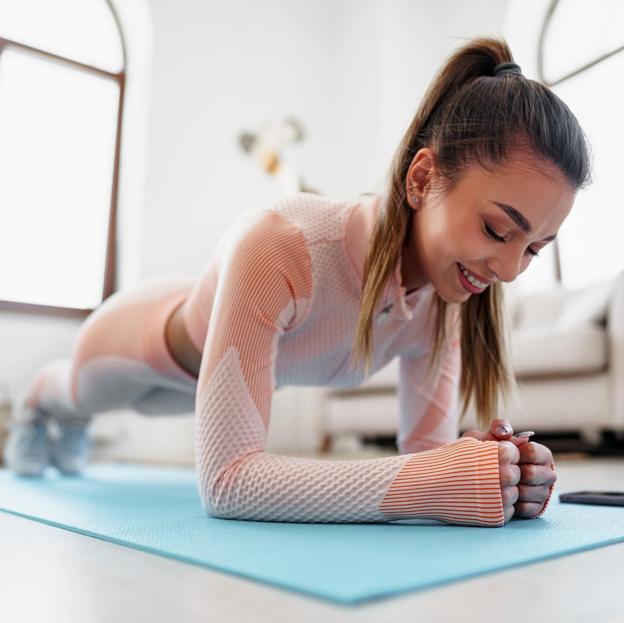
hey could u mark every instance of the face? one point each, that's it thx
(491, 223)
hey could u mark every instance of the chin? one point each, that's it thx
(450, 292)
(456, 298)
(451, 295)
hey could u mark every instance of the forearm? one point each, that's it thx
(457, 483)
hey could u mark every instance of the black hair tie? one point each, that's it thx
(507, 68)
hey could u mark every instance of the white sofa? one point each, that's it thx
(566, 350)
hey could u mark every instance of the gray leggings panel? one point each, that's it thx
(109, 383)
(160, 401)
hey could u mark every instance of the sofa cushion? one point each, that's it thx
(386, 377)
(563, 308)
(586, 305)
(545, 350)
(540, 308)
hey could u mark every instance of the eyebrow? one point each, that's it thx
(519, 219)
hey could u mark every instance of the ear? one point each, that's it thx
(418, 176)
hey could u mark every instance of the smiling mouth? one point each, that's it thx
(467, 284)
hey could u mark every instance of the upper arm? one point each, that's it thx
(263, 289)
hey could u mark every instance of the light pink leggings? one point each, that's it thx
(119, 359)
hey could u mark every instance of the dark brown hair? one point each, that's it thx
(471, 117)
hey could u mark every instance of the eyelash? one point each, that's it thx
(491, 234)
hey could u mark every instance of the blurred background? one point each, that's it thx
(133, 132)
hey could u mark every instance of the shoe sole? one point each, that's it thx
(27, 470)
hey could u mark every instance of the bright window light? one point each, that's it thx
(580, 33)
(57, 143)
(590, 240)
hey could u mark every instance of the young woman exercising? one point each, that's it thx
(308, 290)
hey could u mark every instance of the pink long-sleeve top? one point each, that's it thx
(277, 305)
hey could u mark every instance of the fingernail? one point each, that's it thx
(525, 433)
(503, 430)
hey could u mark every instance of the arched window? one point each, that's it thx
(582, 60)
(62, 74)
(577, 49)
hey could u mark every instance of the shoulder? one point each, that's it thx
(267, 253)
(293, 220)
(320, 218)
(262, 233)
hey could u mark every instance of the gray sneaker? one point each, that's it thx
(28, 450)
(71, 447)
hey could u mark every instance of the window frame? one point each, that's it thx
(540, 52)
(542, 78)
(110, 265)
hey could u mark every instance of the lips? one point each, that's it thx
(466, 284)
(476, 275)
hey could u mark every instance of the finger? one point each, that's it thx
(476, 434)
(508, 512)
(532, 493)
(500, 428)
(508, 452)
(522, 437)
(519, 441)
(532, 474)
(533, 452)
(509, 475)
(511, 495)
(528, 509)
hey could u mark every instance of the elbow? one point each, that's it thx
(211, 495)
(214, 511)
(214, 505)
(218, 493)
(219, 486)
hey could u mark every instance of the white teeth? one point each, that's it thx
(473, 281)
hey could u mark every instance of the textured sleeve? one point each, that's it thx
(264, 289)
(429, 407)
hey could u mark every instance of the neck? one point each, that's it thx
(411, 279)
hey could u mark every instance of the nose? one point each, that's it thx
(506, 265)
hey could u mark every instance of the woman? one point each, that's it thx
(305, 289)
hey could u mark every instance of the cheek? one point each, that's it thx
(467, 245)
(424, 235)
(444, 242)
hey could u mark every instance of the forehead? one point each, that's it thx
(539, 191)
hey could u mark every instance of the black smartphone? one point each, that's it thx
(610, 498)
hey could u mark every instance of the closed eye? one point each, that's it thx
(496, 237)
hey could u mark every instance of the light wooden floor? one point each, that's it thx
(49, 575)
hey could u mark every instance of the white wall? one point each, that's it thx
(223, 67)
(416, 38)
(352, 71)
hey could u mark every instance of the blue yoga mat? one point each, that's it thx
(158, 510)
